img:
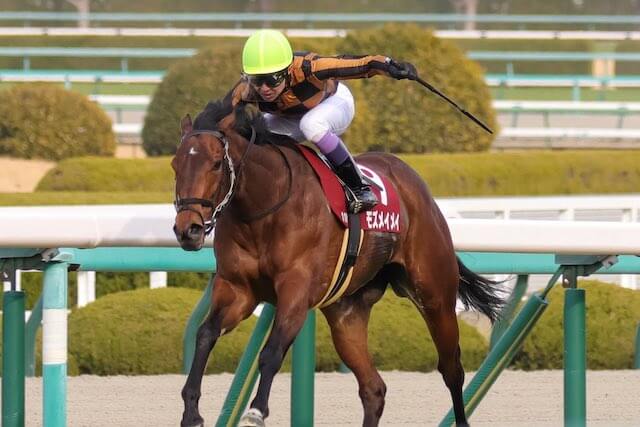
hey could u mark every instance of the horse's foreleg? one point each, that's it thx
(228, 307)
(348, 319)
(293, 304)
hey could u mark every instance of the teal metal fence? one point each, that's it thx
(310, 19)
(172, 259)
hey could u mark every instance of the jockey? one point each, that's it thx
(301, 96)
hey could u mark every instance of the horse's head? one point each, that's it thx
(198, 165)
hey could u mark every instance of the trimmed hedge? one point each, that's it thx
(529, 173)
(48, 122)
(104, 336)
(140, 332)
(613, 314)
(84, 198)
(96, 174)
(109, 283)
(186, 88)
(465, 174)
(404, 117)
(72, 365)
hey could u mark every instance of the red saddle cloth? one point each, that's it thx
(385, 216)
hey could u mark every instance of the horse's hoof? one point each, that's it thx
(252, 418)
(195, 422)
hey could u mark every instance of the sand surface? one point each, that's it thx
(18, 176)
(516, 399)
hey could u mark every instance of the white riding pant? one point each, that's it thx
(334, 114)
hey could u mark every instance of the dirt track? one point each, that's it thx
(21, 175)
(517, 399)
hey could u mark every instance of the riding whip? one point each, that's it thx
(446, 98)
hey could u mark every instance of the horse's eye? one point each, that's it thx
(217, 165)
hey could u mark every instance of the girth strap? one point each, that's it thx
(351, 245)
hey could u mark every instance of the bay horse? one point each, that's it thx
(277, 241)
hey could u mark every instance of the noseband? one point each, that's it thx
(185, 204)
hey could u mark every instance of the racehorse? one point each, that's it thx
(276, 241)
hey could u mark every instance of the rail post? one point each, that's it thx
(509, 310)
(54, 345)
(13, 379)
(247, 371)
(636, 361)
(303, 373)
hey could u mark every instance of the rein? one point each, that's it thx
(185, 204)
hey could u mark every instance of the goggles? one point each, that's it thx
(271, 80)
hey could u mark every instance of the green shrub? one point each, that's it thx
(613, 314)
(463, 174)
(402, 116)
(99, 174)
(48, 122)
(72, 365)
(399, 338)
(186, 88)
(188, 280)
(529, 173)
(84, 198)
(140, 332)
(108, 283)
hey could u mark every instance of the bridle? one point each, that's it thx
(186, 203)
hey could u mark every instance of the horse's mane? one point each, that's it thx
(246, 117)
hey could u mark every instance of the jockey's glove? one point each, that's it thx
(401, 70)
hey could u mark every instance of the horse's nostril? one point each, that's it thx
(195, 230)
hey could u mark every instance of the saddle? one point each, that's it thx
(384, 217)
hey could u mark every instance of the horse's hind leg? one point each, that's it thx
(228, 307)
(444, 331)
(436, 301)
(348, 319)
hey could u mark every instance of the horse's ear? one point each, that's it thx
(227, 121)
(186, 125)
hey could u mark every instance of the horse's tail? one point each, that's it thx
(480, 293)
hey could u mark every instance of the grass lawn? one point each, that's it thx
(103, 88)
(40, 198)
(565, 94)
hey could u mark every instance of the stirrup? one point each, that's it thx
(360, 201)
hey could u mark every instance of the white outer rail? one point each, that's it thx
(624, 208)
(305, 32)
(563, 106)
(151, 225)
(135, 130)
(142, 101)
(577, 133)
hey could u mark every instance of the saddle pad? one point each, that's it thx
(385, 216)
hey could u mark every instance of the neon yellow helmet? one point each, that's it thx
(265, 52)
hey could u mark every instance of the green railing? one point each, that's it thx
(504, 345)
(26, 53)
(239, 18)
